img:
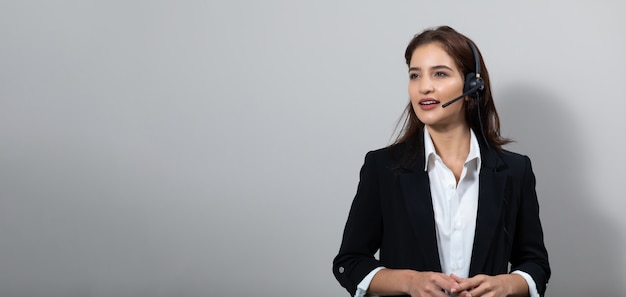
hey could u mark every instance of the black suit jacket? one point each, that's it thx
(392, 211)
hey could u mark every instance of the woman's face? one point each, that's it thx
(434, 80)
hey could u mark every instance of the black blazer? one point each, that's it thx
(392, 211)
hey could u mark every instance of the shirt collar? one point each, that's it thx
(430, 153)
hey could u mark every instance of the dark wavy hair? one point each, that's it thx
(456, 45)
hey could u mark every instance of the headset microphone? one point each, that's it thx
(469, 92)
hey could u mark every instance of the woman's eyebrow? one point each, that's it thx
(437, 67)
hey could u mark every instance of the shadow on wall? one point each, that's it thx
(583, 246)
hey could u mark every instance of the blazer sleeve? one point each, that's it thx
(363, 230)
(529, 252)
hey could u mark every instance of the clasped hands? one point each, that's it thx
(433, 284)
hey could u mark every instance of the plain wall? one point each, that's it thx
(193, 148)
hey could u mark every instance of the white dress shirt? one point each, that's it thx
(455, 207)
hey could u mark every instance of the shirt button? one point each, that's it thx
(451, 186)
(457, 226)
(455, 266)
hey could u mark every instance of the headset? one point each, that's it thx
(474, 83)
(474, 87)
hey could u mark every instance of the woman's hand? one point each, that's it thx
(490, 286)
(430, 284)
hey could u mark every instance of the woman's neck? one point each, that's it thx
(451, 143)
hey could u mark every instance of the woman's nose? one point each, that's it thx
(426, 85)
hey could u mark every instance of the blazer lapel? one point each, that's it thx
(416, 192)
(490, 199)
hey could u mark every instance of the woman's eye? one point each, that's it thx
(441, 74)
(413, 75)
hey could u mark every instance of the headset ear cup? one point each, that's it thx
(473, 84)
(470, 83)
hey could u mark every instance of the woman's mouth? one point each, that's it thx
(428, 103)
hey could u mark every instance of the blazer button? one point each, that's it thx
(341, 270)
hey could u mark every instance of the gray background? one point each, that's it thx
(192, 148)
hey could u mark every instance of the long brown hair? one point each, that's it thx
(456, 45)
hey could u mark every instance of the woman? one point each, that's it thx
(445, 206)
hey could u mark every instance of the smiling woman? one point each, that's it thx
(434, 78)
(447, 211)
